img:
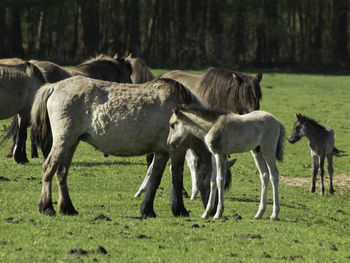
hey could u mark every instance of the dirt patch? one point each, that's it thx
(341, 182)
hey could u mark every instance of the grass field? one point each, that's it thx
(312, 228)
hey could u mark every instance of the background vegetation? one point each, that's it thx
(312, 228)
(287, 34)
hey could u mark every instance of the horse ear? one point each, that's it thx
(231, 162)
(177, 111)
(129, 56)
(258, 77)
(300, 117)
(236, 78)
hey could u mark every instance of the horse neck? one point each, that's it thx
(313, 134)
(197, 125)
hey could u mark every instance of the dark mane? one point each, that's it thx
(98, 58)
(105, 68)
(220, 86)
(313, 123)
(209, 114)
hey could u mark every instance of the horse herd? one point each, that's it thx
(176, 116)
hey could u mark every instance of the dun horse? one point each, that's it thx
(140, 72)
(18, 85)
(224, 133)
(101, 67)
(321, 144)
(118, 119)
(220, 89)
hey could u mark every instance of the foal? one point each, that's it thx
(224, 133)
(321, 144)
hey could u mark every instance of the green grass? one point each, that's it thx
(312, 228)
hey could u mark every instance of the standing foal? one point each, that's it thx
(224, 133)
(321, 144)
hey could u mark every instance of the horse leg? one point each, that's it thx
(264, 178)
(49, 169)
(20, 147)
(65, 205)
(13, 131)
(315, 166)
(155, 172)
(176, 168)
(274, 178)
(213, 189)
(145, 182)
(34, 149)
(192, 161)
(330, 172)
(220, 182)
(321, 171)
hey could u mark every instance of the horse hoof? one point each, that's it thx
(48, 211)
(183, 213)
(274, 218)
(150, 214)
(67, 209)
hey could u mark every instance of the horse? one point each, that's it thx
(101, 67)
(220, 89)
(140, 71)
(224, 133)
(52, 71)
(321, 144)
(134, 116)
(18, 85)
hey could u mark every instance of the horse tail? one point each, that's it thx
(338, 153)
(279, 150)
(40, 123)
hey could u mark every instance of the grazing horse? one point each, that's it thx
(224, 133)
(117, 119)
(321, 144)
(18, 85)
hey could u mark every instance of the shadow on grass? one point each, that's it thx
(96, 163)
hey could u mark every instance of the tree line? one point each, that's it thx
(284, 34)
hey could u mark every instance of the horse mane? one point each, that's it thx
(209, 114)
(38, 72)
(184, 94)
(98, 58)
(220, 85)
(141, 71)
(313, 123)
(17, 71)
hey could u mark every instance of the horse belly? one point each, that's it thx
(128, 137)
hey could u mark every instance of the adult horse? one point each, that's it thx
(101, 67)
(18, 85)
(118, 119)
(220, 89)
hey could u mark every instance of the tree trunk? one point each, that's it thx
(15, 33)
(91, 26)
(340, 30)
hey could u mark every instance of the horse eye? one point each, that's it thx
(172, 125)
